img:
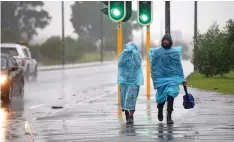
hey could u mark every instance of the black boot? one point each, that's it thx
(169, 120)
(160, 111)
(127, 115)
(160, 114)
(170, 102)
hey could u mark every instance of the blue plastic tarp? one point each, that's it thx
(166, 71)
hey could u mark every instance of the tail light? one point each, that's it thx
(22, 62)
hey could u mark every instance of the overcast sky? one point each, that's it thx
(182, 18)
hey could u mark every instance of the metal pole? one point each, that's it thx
(147, 61)
(101, 33)
(119, 49)
(63, 44)
(62, 60)
(195, 33)
(167, 17)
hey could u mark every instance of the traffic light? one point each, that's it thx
(145, 12)
(128, 11)
(117, 10)
(105, 10)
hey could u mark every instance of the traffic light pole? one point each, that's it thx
(147, 61)
(119, 49)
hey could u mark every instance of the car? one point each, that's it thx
(11, 78)
(22, 55)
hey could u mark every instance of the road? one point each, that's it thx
(91, 113)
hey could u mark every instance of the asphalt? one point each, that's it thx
(91, 113)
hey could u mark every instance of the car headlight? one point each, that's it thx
(3, 79)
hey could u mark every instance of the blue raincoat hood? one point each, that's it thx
(129, 66)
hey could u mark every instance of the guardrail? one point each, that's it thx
(71, 66)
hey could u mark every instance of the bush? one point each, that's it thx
(52, 50)
(212, 55)
(85, 45)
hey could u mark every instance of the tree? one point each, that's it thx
(9, 36)
(86, 22)
(212, 54)
(230, 30)
(230, 37)
(22, 18)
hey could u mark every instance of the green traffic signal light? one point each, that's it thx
(145, 12)
(117, 10)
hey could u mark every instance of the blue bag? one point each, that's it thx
(188, 102)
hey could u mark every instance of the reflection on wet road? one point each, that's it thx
(12, 120)
(90, 112)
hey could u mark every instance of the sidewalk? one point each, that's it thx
(101, 120)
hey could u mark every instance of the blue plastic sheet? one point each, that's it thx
(129, 66)
(166, 71)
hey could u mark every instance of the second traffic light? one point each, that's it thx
(145, 12)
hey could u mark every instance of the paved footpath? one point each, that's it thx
(101, 120)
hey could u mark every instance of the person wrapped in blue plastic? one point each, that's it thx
(130, 78)
(167, 74)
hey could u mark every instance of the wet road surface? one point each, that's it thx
(91, 113)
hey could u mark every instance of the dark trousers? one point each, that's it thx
(170, 102)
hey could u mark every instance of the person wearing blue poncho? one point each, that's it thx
(130, 78)
(167, 74)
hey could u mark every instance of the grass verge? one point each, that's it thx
(219, 84)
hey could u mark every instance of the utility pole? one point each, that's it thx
(62, 49)
(167, 17)
(195, 33)
(101, 34)
(63, 44)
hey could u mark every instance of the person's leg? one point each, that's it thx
(160, 111)
(170, 102)
(160, 100)
(131, 101)
(131, 112)
(123, 89)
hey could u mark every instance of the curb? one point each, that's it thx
(51, 68)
